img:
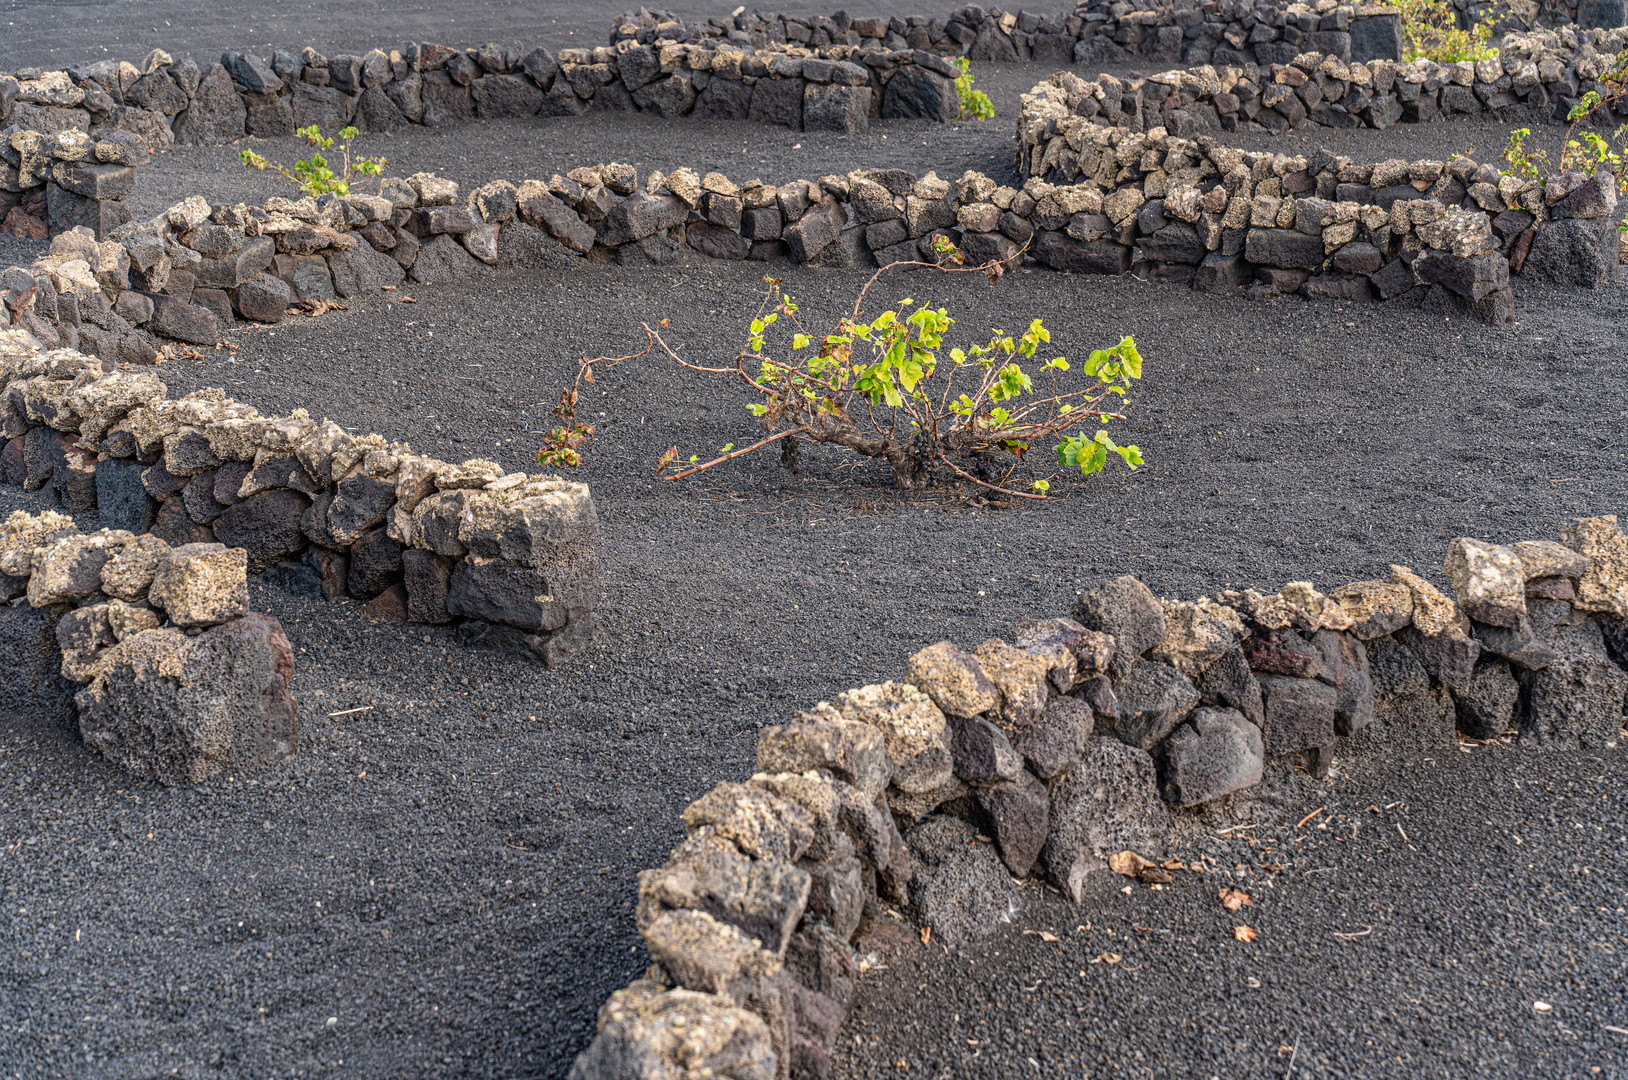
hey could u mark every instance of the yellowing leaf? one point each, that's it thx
(1127, 863)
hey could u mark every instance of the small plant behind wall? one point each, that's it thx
(315, 176)
(1430, 31)
(886, 387)
(975, 104)
(1582, 151)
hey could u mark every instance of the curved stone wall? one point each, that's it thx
(1065, 753)
(417, 539)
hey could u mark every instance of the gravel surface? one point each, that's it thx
(442, 885)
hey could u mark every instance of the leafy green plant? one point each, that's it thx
(1430, 31)
(314, 175)
(975, 104)
(888, 386)
(1582, 151)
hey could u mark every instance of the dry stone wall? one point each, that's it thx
(152, 646)
(1130, 196)
(166, 100)
(1077, 742)
(420, 540)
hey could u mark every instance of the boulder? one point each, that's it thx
(1574, 251)
(1019, 813)
(960, 889)
(1153, 699)
(1489, 580)
(180, 709)
(543, 597)
(1576, 702)
(981, 751)
(1053, 745)
(1022, 678)
(1215, 754)
(1486, 707)
(266, 526)
(1299, 713)
(1106, 804)
(1127, 610)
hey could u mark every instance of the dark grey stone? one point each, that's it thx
(1215, 754)
(1019, 813)
(1055, 743)
(1126, 609)
(1574, 251)
(1299, 713)
(267, 526)
(959, 889)
(1153, 699)
(1576, 702)
(1486, 707)
(1107, 803)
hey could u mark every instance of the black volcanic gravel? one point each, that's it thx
(442, 885)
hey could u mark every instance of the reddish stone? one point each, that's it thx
(390, 605)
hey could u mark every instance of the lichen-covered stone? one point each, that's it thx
(1489, 580)
(839, 812)
(955, 680)
(528, 522)
(654, 1033)
(1546, 559)
(1376, 608)
(914, 728)
(1604, 585)
(129, 574)
(201, 584)
(70, 569)
(854, 752)
(1022, 678)
(1195, 635)
(764, 898)
(1433, 610)
(761, 824)
(23, 532)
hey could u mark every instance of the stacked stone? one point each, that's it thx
(166, 101)
(180, 680)
(1099, 32)
(1443, 234)
(421, 540)
(1045, 757)
(1321, 90)
(52, 183)
(1153, 204)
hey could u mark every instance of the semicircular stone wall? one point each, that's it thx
(1069, 749)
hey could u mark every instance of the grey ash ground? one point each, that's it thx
(442, 884)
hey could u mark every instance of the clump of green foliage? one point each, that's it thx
(975, 104)
(887, 386)
(314, 175)
(1430, 31)
(1583, 151)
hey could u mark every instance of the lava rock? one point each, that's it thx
(960, 889)
(1215, 754)
(1107, 803)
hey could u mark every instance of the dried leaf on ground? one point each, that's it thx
(1233, 899)
(1107, 958)
(1153, 875)
(1174, 864)
(926, 934)
(1043, 935)
(1128, 863)
(1244, 933)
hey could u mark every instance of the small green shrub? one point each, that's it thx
(1430, 31)
(885, 386)
(1583, 151)
(314, 175)
(975, 104)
